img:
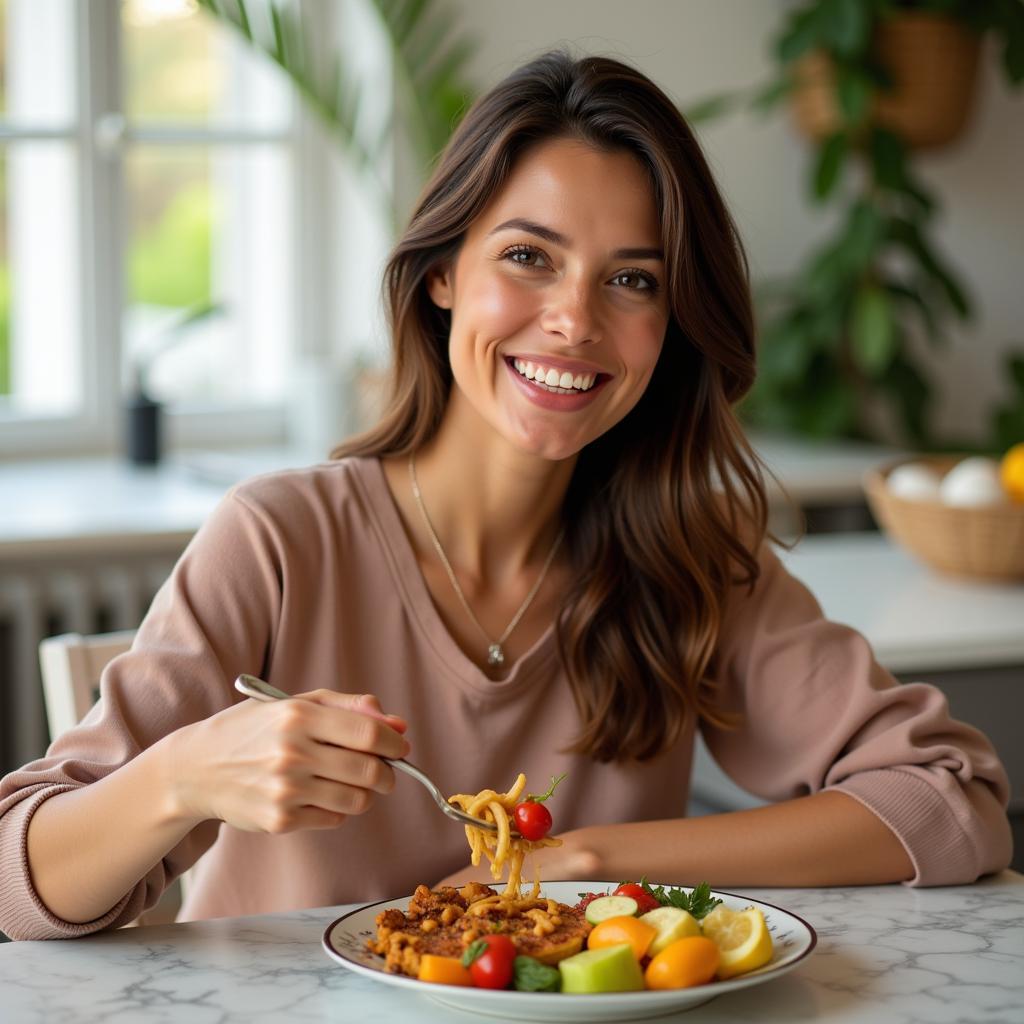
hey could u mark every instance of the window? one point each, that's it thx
(150, 164)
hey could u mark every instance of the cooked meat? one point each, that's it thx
(444, 922)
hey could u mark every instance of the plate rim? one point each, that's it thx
(711, 989)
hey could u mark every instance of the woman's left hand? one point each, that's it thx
(575, 858)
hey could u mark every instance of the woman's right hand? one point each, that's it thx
(281, 766)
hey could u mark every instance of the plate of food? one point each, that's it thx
(386, 942)
(565, 950)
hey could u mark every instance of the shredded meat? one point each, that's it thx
(445, 921)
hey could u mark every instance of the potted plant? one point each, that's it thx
(835, 337)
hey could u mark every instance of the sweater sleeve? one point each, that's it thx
(213, 618)
(816, 711)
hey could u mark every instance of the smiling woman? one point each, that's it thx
(549, 556)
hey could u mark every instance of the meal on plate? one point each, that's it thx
(637, 937)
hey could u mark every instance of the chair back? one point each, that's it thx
(71, 668)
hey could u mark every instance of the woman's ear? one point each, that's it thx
(439, 286)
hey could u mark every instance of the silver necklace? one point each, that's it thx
(495, 653)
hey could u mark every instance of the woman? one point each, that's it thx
(549, 557)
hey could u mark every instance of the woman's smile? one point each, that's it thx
(550, 388)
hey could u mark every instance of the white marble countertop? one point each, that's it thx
(885, 954)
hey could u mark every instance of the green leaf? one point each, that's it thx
(888, 158)
(1011, 28)
(699, 902)
(825, 404)
(865, 233)
(829, 164)
(873, 330)
(853, 91)
(846, 25)
(913, 297)
(1016, 366)
(530, 975)
(787, 345)
(803, 31)
(906, 234)
(474, 950)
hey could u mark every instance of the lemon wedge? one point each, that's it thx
(742, 937)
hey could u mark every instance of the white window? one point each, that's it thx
(151, 171)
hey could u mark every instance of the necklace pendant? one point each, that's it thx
(495, 655)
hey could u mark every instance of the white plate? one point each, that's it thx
(345, 941)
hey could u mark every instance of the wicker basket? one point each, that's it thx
(986, 542)
(933, 61)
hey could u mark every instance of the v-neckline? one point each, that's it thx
(416, 594)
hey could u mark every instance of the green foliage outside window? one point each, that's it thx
(170, 265)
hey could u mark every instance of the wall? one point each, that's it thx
(693, 48)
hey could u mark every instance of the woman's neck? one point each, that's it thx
(495, 509)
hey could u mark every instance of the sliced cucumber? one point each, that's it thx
(611, 906)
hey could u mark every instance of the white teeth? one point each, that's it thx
(552, 378)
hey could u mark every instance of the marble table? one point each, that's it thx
(885, 954)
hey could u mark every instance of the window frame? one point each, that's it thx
(100, 135)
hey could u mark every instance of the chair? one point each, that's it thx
(71, 667)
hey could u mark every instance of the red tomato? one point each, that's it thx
(493, 968)
(588, 898)
(644, 900)
(532, 819)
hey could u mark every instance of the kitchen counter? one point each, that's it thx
(885, 953)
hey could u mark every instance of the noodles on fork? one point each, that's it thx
(500, 847)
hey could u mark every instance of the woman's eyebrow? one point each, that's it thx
(557, 238)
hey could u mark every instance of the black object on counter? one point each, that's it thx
(142, 433)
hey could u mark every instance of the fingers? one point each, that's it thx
(352, 768)
(354, 721)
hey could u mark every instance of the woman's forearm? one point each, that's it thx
(826, 839)
(89, 846)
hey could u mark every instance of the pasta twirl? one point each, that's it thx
(500, 847)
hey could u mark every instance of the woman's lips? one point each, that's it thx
(558, 402)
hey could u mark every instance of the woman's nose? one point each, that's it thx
(572, 312)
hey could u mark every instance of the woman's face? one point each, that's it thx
(557, 299)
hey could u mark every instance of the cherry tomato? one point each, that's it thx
(588, 898)
(532, 819)
(494, 967)
(644, 900)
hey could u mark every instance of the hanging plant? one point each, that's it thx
(870, 81)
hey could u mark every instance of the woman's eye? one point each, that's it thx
(635, 280)
(524, 256)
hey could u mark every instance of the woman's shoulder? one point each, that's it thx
(306, 493)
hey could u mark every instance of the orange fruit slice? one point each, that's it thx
(683, 963)
(616, 931)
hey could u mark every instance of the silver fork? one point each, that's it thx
(258, 689)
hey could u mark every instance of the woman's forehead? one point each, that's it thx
(579, 192)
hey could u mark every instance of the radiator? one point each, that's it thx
(84, 595)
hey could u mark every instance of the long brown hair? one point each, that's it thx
(654, 543)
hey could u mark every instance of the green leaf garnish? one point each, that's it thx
(473, 950)
(699, 902)
(530, 975)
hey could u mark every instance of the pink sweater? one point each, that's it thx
(307, 579)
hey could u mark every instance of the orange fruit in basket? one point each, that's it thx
(1011, 472)
(683, 963)
(615, 931)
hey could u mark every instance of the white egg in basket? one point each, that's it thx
(974, 481)
(914, 481)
